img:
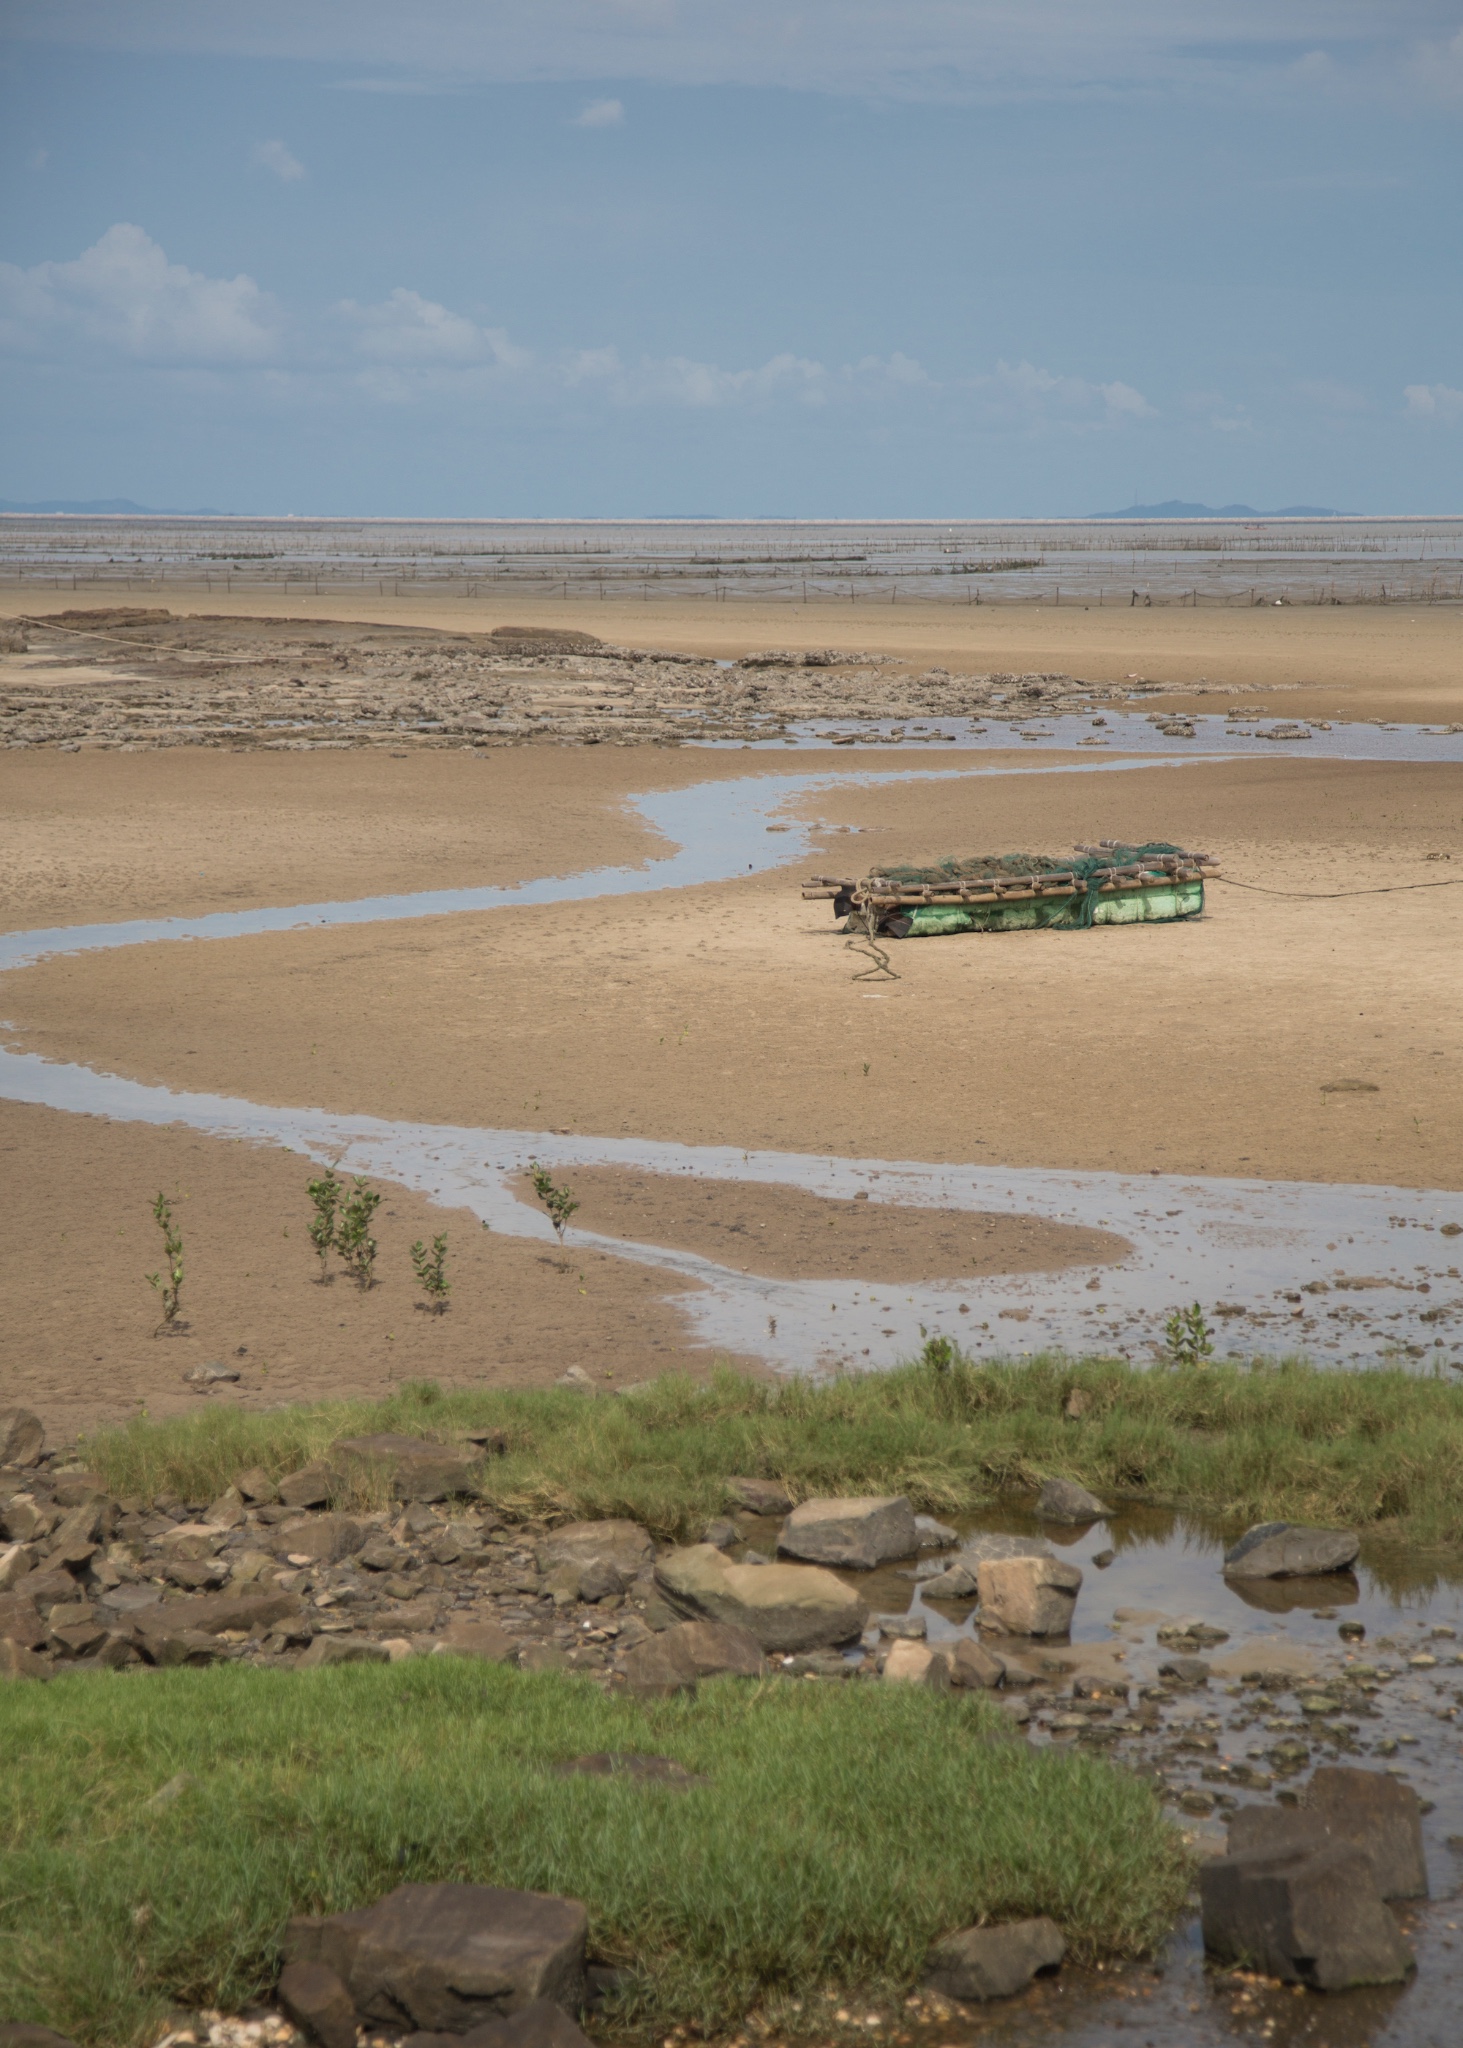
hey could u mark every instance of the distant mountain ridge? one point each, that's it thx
(100, 505)
(1176, 508)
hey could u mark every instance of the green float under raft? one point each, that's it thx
(1108, 884)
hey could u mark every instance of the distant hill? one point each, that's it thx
(1175, 508)
(96, 505)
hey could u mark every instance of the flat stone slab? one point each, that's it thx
(677, 1659)
(994, 1962)
(857, 1534)
(446, 1957)
(784, 1607)
(1369, 1810)
(1285, 1550)
(1308, 1915)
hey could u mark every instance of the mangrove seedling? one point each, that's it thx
(558, 1201)
(169, 1287)
(353, 1239)
(1187, 1337)
(430, 1268)
(325, 1196)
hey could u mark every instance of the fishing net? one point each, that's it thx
(1088, 867)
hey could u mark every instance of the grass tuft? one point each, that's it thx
(844, 1828)
(1376, 1450)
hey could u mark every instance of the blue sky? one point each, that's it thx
(843, 259)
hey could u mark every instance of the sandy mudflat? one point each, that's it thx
(724, 1014)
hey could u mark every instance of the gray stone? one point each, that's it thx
(22, 1437)
(856, 1534)
(678, 1658)
(415, 1468)
(20, 1620)
(15, 1563)
(935, 1535)
(1028, 1596)
(722, 1535)
(21, 2034)
(1368, 1810)
(484, 1640)
(607, 1556)
(343, 1650)
(312, 1486)
(914, 1663)
(315, 1999)
(446, 1957)
(324, 1539)
(256, 1487)
(993, 1962)
(1311, 1914)
(1288, 1550)
(1186, 1670)
(957, 1582)
(974, 1666)
(539, 2024)
(16, 1661)
(785, 1607)
(1062, 1500)
(760, 1496)
(213, 1374)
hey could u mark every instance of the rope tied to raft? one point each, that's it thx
(867, 943)
(1335, 895)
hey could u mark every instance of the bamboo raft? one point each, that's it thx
(1110, 884)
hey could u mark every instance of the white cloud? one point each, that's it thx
(926, 49)
(274, 156)
(406, 328)
(123, 297)
(1043, 396)
(1435, 402)
(601, 114)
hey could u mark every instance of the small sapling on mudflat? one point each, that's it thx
(353, 1239)
(169, 1287)
(325, 1196)
(430, 1268)
(559, 1202)
(1187, 1337)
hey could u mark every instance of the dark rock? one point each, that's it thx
(1185, 1670)
(18, 1661)
(203, 1577)
(251, 1612)
(256, 1487)
(1286, 1550)
(22, 1437)
(315, 1999)
(935, 1535)
(855, 1535)
(679, 1657)
(972, 1665)
(993, 1962)
(445, 1957)
(75, 1540)
(638, 1770)
(312, 1486)
(20, 1619)
(484, 1640)
(607, 1555)
(723, 1535)
(343, 1650)
(1062, 1500)
(324, 1539)
(1370, 1811)
(416, 1468)
(1311, 1914)
(539, 2024)
(760, 1496)
(73, 1488)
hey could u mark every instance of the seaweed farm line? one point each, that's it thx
(1083, 562)
(1351, 1275)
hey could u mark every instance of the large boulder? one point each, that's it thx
(445, 1957)
(1288, 1550)
(678, 1658)
(1063, 1500)
(856, 1535)
(414, 1468)
(22, 1437)
(1028, 1596)
(915, 1663)
(1368, 1810)
(315, 1999)
(1310, 1914)
(592, 1560)
(785, 1607)
(993, 1962)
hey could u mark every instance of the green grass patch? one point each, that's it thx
(1374, 1450)
(843, 1828)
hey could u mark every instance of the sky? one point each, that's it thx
(817, 258)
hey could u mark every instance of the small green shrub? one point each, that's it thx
(353, 1239)
(559, 1202)
(324, 1196)
(1187, 1338)
(430, 1268)
(169, 1287)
